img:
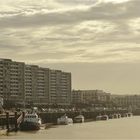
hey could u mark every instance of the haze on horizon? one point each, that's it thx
(96, 40)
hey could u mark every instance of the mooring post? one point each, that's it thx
(23, 114)
(16, 125)
(7, 121)
(2, 123)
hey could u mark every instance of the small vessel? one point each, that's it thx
(115, 116)
(79, 119)
(98, 118)
(124, 115)
(102, 117)
(111, 116)
(119, 115)
(30, 122)
(64, 120)
(129, 114)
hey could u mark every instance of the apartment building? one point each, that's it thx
(126, 100)
(59, 87)
(77, 97)
(31, 84)
(11, 80)
(36, 85)
(90, 96)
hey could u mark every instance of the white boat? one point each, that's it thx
(102, 117)
(64, 120)
(98, 118)
(79, 119)
(30, 122)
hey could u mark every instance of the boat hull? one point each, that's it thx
(29, 126)
(64, 121)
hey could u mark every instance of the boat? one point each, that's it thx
(79, 119)
(124, 115)
(98, 118)
(102, 117)
(64, 120)
(111, 116)
(115, 116)
(31, 121)
(119, 115)
(129, 114)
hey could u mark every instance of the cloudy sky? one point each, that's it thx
(97, 40)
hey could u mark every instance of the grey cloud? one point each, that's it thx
(128, 49)
(105, 11)
(96, 56)
(61, 38)
(77, 2)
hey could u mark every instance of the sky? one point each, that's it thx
(96, 40)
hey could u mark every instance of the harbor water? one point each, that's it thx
(113, 129)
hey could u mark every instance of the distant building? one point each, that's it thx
(90, 96)
(77, 97)
(126, 100)
(31, 84)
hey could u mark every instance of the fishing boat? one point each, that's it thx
(30, 122)
(64, 120)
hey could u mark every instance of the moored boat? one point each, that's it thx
(119, 115)
(111, 116)
(64, 120)
(104, 117)
(98, 118)
(79, 119)
(30, 122)
(129, 114)
(115, 116)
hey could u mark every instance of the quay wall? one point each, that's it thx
(51, 117)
